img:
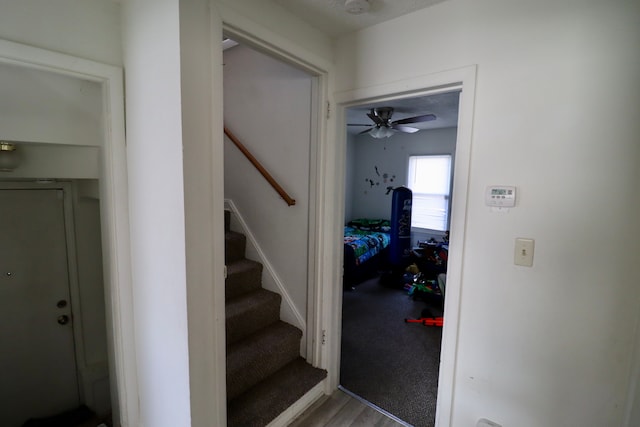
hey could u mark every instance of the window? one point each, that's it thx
(430, 181)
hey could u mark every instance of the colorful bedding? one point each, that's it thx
(365, 243)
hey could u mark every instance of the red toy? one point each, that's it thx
(427, 321)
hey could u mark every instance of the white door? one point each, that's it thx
(37, 360)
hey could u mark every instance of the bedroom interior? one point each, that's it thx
(390, 364)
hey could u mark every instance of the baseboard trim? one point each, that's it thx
(293, 411)
(270, 279)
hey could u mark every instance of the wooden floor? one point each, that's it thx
(342, 410)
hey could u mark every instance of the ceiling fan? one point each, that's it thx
(383, 127)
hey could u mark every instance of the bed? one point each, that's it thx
(366, 243)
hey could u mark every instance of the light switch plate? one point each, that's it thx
(523, 253)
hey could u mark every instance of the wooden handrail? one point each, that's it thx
(260, 168)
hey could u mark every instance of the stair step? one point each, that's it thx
(263, 403)
(242, 276)
(265, 373)
(260, 355)
(251, 312)
(234, 246)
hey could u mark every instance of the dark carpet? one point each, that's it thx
(386, 361)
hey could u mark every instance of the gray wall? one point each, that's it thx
(367, 188)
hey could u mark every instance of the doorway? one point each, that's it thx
(462, 80)
(110, 168)
(389, 363)
(271, 107)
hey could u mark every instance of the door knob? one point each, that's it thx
(63, 320)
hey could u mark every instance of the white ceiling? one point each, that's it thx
(330, 17)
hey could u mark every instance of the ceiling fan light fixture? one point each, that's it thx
(356, 7)
(384, 127)
(381, 132)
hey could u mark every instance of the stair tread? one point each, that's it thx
(243, 276)
(265, 373)
(234, 244)
(251, 312)
(229, 234)
(264, 402)
(240, 265)
(245, 302)
(263, 340)
(260, 355)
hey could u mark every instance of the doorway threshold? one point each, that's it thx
(375, 407)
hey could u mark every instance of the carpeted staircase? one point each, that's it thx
(265, 373)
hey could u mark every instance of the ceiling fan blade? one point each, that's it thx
(365, 131)
(416, 119)
(405, 129)
(359, 124)
(377, 120)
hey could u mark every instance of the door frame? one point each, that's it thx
(113, 214)
(463, 79)
(312, 330)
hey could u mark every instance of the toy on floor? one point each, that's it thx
(427, 319)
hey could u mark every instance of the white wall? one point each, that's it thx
(556, 113)
(156, 189)
(391, 157)
(87, 29)
(39, 106)
(267, 105)
(56, 121)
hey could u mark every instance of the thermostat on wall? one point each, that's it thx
(500, 196)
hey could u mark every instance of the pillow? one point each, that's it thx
(366, 224)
